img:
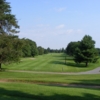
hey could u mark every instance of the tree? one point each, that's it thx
(98, 50)
(48, 49)
(10, 49)
(40, 50)
(86, 51)
(10, 45)
(26, 48)
(70, 49)
(29, 48)
(34, 50)
(62, 50)
(45, 51)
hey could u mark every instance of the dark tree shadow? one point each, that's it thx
(90, 82)
(3, 69)
(73, 64)
(69, 61)
(57, 62)
(17, 95)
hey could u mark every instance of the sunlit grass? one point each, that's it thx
(51, 62)
(51, 78)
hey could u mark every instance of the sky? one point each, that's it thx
(55, 23)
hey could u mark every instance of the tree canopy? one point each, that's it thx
(86, 51)
(29, 48)
(40, 50)
(8, 21)
(70, 49)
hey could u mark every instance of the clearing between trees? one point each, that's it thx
(52, 62)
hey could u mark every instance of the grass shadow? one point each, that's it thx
(74, 85)
(69, 61)
(58, 62)
(73, 64)
(18, 95)
(90, 82)
(3, 69)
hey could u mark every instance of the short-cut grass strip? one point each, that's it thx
(8, 91)
(51, 78)
(53, 62)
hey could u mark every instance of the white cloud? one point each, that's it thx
(79, 31)
(60, 9)
(69, 31)
(65, 32)
(60, 26)
(74, 31)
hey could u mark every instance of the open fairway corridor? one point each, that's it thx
(52, 62)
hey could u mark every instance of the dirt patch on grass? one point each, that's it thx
(3, 80)
(77, 85)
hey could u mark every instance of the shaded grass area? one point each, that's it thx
(12, 91)
(54, 62)
(51, 78)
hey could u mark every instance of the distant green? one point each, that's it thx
(52, 62)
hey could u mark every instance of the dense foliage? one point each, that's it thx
(29, 48)
(10, 45)
(86, 51)
(70, 49)
(83, 51)
(8, 21)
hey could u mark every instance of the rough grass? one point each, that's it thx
(52, 63)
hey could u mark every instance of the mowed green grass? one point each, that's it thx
(53, 62)
(25, 91)
(24, 87)
(50, 78)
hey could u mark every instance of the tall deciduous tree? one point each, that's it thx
(10, 45)
(86, 51)
(70, 49)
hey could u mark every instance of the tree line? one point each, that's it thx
(30, 49)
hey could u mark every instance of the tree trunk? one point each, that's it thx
(0, 66)
(65, 59)
(86, 64)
